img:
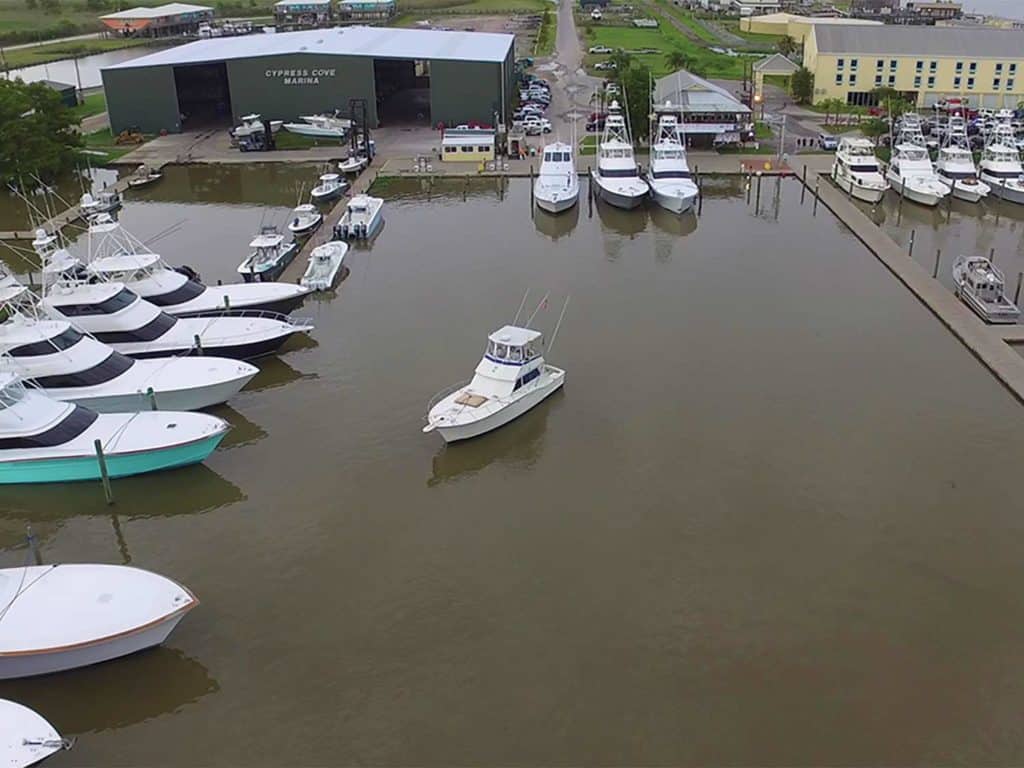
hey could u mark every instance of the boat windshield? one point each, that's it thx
(11, 394)
(511, 353)
(668, 154)
(617, 173)
(864, 168)
(557, 157)
(617, 153)
(671, 174)
(914, 153)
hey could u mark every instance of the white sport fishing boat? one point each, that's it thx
(557, 187)
(304, 220)
(669, 177)
(1000, 165)
(331, 186)
(268, 258)
(70, 366)
(353, 164)
(982, 287)
(910, 171)
(510, 379)
(26, 738)
(362, 218)
(253, 124)
(855, 170)
(955, 164)
(617, 177)
(66, 616)
(43, 440)
(104, 201)
(115, 254)
(325, 262)
(321, 126)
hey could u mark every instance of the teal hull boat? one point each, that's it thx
(60, 470)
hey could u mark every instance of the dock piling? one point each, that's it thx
(938, 257)
(757, 201)
(750, 183)
(104, 475)
(803, 189)
(817, 184)
(33, 545)
(1016, 293)
(992, 256)
(910, 249)
(899, 208)
(700, 191)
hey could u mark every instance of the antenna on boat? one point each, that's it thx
(554, 334)
(543, 301)
(521, 305)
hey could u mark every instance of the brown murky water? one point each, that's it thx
(774, 518)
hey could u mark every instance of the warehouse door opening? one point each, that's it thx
(403, 91)
(204, 98)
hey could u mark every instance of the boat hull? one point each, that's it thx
(346, 231)
(77, 468)
(313, 131)
(193, 399)
(283, 306)
(556, 206)
(272, 272)
(618, 199)
(671, 200)
(247, 351)
(871, 195)
(505, 415)
(29, 664)
(1004, 192)
(920, 197)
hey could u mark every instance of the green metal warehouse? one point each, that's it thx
(405, 76)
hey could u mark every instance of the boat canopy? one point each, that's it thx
(513, 344)
(124, 262)
(102, 222)
(267, 240)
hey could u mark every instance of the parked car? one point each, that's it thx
(599, 49)
(605, 65)
(535, 126)
(596, 14)
(828, 142)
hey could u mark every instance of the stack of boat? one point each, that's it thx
(1000, 164)
(910, 171)
(955, 164)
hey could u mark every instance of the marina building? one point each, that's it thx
(303, 13)
(982, 66)
(366, 10)
(405, 76)
(161, 21)
(709, 114)
(467, 145)
(795, 26)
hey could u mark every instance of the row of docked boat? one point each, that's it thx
(912, 174)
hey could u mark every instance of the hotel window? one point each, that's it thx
(917, 81)
(931, 81)
(932, 65)
(957, 81)
(892, 64)
(878, 79)
(892, 80)
(970, 83)
(880, 63)
(919, 66)
(839, 78)
(995, 83)
(999, 67)
(959, 67)
(973, 68)
(1013, 69)
(1009, 84)
(854, 63)
(853, 79)
(840, 63)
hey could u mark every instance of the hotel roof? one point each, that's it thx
(911, 40)
(376, 42)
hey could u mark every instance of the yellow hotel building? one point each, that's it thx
(983, 66)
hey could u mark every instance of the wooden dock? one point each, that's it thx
(989, 344)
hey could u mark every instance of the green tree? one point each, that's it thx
(874, 129)
(95, 5)
(786, 45)
(31, 4)
(802, 85)
(622, 61)
(37, 132)
(50, 6)
(679, 59)
(636, 87)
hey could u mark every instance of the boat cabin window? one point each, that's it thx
(70, 427)
(671, 174)
(151, 331)
(617, 153)
(188, 291)
(113, 366)
(510, 353)
(617, 173)
(526, 378)
(916, 153)
(670, 154)
(11, 394)
(864, 168)
(57, 343)
(115, 303)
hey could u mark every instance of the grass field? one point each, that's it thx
(93, 104)
(665, 39)
(734, 27)
(545, 45)
(686, 18)
(42, 54)
(470, 7)
(103, 142)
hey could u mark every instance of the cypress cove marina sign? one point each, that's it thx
(299, 76)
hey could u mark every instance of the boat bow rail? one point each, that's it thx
(447, 391)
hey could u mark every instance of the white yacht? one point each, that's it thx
(26, 738)
(557, 187)
(982, 287)
(325, 262)
(510, 379)
(321, 126)
(68, 365)
(71, 615)
(910, 171)
(669, 177)
(104, 201)
(268, 258)
(114, 254)
(305, 218)
(1000, 165)
(855, 170)
(955, 164)
(331, 186)
(46, 441)
(616, 176)
(362, 218)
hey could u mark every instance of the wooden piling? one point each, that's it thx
(910, 250)
(817, 184)
(803, 189)
(1016, 294)
(700, 191)
(104, 475)
(992, 256)
(899, 208)
(757, 201)
(938, 258)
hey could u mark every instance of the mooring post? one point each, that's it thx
(700, 192)
(992, 256)
(151, 397)
(750, 183)
(757, 201)
(949, 206)
(817, 184)
(803, 189)
(199, 344)
(910, 250)
(1016, 293)
(899, 208)
(531, 185)
(104, 476)
(590, 196)
(938, 257)
(33, 545)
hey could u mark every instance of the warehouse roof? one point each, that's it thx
(377, 42)
(157, 12)
(970, 42)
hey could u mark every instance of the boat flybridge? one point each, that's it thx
(269, 256)
(115, 315)
(1000, 164)
(71, 615)
(68, 365)
(616, 175)
(982, 287)
(26, 738)
(557, 187)
(855, 170)
(115, 254)
(669, 177)
(955, 164)
(910, 171)
(510, 379)
(43, 440)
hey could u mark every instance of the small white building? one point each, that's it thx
(468, 145)
(755, 7)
